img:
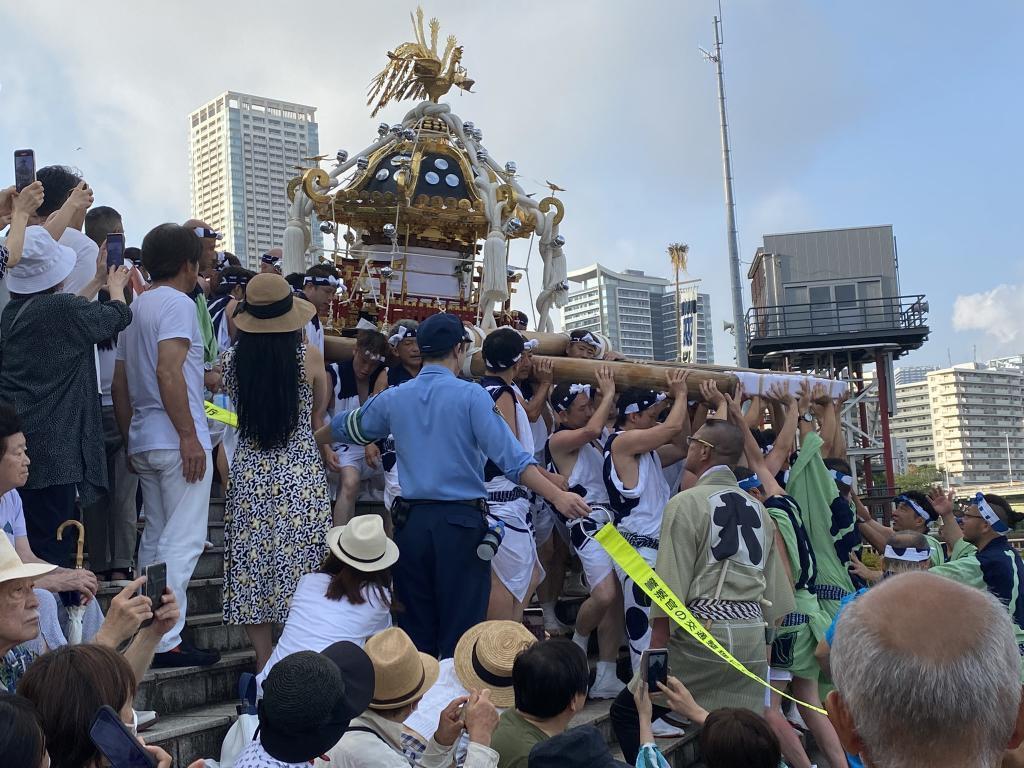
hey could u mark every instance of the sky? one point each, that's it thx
(842, 114)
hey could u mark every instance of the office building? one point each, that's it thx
(243, 150)
(637, 312)
(1001, 363)
(978, 423)
(912, 423)
(912, 374)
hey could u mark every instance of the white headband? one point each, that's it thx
(325, 280)
(635, 407)
(587, 339)
(400, 333)
(989, 514)
(844, 479)
(915, 506)
(907, 554)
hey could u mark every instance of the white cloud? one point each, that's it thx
(998, 312)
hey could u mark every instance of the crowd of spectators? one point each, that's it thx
(407, 637)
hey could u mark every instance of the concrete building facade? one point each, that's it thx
(637, 312)
(913, 422)
(977, 423)
(243, 150)
(911, 374)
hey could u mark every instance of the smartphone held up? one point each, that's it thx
(24, 168)
(115, 249)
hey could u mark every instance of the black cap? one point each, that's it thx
(309, 699)
(503, 348)
(439, 333)
(581, 747)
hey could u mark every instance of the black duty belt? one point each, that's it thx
(478, 504)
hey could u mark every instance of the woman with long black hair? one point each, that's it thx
(278, 508)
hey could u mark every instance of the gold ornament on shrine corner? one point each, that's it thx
(416, 70)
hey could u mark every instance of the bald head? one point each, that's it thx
(927, 672)
(727, 439)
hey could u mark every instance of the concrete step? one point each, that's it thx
(217, 510)
(193, 734)
(211, 564)
(204, 596)
(172, 691)
(208, 630)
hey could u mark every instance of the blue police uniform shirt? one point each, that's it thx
(445, 431)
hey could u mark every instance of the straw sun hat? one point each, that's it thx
(12, 568)
(485, 654)
(401, 673)
(363, 544)
(270, 307)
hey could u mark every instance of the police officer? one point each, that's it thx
(445, 430)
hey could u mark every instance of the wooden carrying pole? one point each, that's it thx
(577, 370)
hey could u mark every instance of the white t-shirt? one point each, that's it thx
(12, 515)
(106, 371)
(315, 622)
(86, 253)
(157, 315)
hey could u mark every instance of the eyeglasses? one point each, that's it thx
(694, 438)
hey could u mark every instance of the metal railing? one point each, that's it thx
(859, 315)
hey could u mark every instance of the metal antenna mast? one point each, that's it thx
(730, 205)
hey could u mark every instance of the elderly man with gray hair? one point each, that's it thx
(926, 674)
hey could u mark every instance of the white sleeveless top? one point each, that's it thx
(587, 476)
(638, 510)
(524, 432)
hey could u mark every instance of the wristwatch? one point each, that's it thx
(808, 416)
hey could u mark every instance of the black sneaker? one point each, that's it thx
(186, 655)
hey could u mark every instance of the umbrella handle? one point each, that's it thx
(79, 556)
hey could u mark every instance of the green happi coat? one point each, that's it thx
(718, 543)
(996, 568)
(814, 490)
(795, 641)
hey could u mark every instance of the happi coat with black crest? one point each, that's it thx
(717, 553)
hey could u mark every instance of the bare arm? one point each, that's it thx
(785, 439)
(873, 531)
(171, 354)
(23, 205)
(839, 438)
(77, 203)
(755, 412)
(676, 450)
(752, 451)
(943, 504)
(570, 440)
(637, 441)
(536, 405)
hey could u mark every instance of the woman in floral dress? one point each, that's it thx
(278, 509)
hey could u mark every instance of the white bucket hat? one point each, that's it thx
(12, 568)
(44, 263)
(363, 544)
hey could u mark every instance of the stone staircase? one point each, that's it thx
(197, 705)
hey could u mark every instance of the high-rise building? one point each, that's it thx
(1014, 361)
(243, 150)
(911, 374)
(978, 423)
(637, 312)
(913, 422)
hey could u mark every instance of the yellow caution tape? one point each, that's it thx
(217, 413)
(630, 561)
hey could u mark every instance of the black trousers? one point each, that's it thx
(626, 723)
(442, 586)
(45, 510)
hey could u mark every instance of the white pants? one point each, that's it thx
(177, 515)
(638, 609)
(516, 558)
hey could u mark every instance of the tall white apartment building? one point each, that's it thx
(910, 374)
(636, 312)
(913, 422)
(978, 423)
(243, 150)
